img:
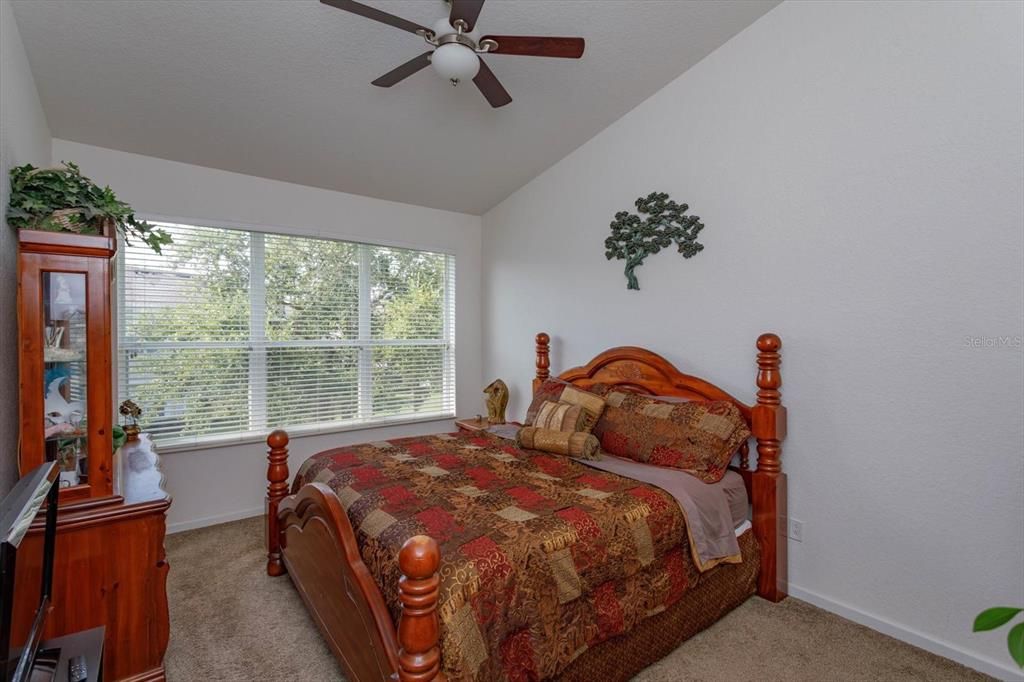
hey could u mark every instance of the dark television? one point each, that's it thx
(17, 511)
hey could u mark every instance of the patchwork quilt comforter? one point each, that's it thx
(541, 557)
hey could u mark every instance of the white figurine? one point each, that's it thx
(59, 410)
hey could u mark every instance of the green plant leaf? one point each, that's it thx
(990, 619)
(37, 193)
(1015, 641)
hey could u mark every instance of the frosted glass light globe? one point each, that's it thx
(455, 62)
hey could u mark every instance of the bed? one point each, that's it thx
(500, 562)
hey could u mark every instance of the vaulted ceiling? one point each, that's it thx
(281, 88)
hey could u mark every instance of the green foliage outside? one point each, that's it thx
(312, 310)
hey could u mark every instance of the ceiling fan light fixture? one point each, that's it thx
(456, 42)
(442, 27)
(455, 62)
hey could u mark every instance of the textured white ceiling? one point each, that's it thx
(281, 89)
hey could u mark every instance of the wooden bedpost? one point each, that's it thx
(768, 423)
(419, 658)
(543, 360)
(277, 488)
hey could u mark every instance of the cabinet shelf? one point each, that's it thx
(80, 435)
(71, 357)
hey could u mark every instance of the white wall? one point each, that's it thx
(24, 138)
(224, 483)
(859, 170)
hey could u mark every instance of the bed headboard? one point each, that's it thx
(643, 371)
(639, 370)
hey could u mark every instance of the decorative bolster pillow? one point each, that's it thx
(558, 417)
(571, 443)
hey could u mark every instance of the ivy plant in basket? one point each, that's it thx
(61, 199)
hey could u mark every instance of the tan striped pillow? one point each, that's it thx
(558, 416)
(563, 392)
(575, 444)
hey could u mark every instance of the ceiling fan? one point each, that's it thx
(456, 47)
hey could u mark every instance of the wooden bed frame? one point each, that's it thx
(309, 535)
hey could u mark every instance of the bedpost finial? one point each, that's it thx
(768, 482)
(769, 343)
(419, 658)
(543, 360)
(277, 489)
(768, 361)
(768, 418)
(278, 439)
(419, 557)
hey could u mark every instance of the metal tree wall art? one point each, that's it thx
(633, 238)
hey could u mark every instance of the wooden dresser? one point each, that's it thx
(109, 565)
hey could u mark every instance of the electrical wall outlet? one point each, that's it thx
(796, 530)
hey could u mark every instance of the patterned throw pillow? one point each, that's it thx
(573, 444)
(699, 437)
(554, 390)
(558, 416)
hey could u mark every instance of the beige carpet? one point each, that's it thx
(230, 621)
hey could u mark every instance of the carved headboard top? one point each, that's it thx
(642, 371)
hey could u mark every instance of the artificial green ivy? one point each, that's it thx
(633, 238)
(37, 193)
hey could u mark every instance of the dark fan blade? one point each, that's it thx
(534, 46)
(488, 83)
(467, 10)
(375, 14)
(402, 72)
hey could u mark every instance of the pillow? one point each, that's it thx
(558, 416)
(571, 443)
(562, 392)
(699, 437)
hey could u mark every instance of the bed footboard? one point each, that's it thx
(310, 537)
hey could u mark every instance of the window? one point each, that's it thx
(230, 333)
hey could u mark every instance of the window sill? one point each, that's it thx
(298, 432)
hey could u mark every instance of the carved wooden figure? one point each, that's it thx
(497, 401)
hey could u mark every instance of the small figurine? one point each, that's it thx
(132, 411)
(60, 412)
(497, 401)
(68, 454)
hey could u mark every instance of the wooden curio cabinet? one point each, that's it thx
(65, 364)
(110, 568)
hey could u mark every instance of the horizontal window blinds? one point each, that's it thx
(230, 333)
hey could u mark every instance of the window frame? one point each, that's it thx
(258, 346)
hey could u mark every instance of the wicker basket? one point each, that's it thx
(66, 217)
(73, 220)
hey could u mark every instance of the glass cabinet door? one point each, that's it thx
(64, 359)
(65, 375)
